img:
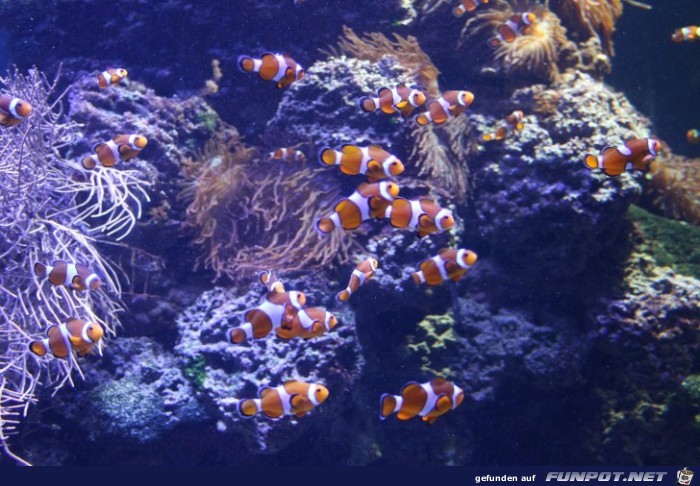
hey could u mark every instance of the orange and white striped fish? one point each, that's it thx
(634, 154)
(450, 104)
(362, 273)
(467, 6)
(422, 214)
(288, 155)
(280, 68)
(367, 202)
(373, 161)
(111, 77)
(390, 100)
(449, 264)
(690, 33)
(512, 28)
(308, 323)
(13, 110)
(119, 149)
(513, 123)
(277, 307)
(693, 135)
(75, 276)
(293, 398)
(75, 335)
(270, 280)
(425, 400)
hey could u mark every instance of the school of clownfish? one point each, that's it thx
(286, 312)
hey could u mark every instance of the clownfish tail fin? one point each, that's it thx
(245, 64)
(367, 104)
(328, 156)
(387, 405)
(592, 161)
(38, 348)
(418, 277)
(343, 296)
(324, 226)
(247, 408)
(40, 269)
(487, 138)
(88, 163)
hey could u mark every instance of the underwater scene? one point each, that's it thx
(349, 232)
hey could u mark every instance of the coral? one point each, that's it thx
(246, 220)
(233, 372)
(535, 52)
(41, 223)
(674, 188)
(670, 243)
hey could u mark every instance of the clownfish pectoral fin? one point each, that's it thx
(425, 221)
(77, 282)
(75, 340)
(443, 404)
(299, 402)
(374, 166)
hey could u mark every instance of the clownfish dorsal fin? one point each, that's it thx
(381, 90)
(291, 382)
(409, 387)
(264, 391)
(51, 330)
(350, 149)
(341, 205)
(439, 380)
(374, 146)
(606, 148)
(97, 146)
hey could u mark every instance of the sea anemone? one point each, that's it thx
(535, 51)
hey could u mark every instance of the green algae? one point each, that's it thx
(196, 372)
(669, 242)
(434, 342)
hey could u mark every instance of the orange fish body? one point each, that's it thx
(74, 335)
(634, 154)
(693, 136)
(450, 104)
(288, 155)
(280, 68)
(690, 33)
(308, 323)
(467, 6)
(276, 309)
(367, 202)
(362, 273)
(373, 161)
(270, 280)
(390, 100)
(449, 264)
(111, 76)
(13, 110)
(423, 215)
(512, 28)
(293, 398)
(75, 276)
(513, 123)
(426, 400)
(120, 148)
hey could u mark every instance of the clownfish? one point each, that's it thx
(513, 123)
(373, 161)
(288, 155)
(293, 398)
(278, 307)
(635, 153)
(367, 202)
(75, 276)
(693, 135)
(467, 6)
(361, 274)
(13, 110)
(422, 214)
(111, 76)
(280, 68)
(270, 280)
(120, 148)
(426, 400)
(450, 104)
(74, 335)
(690, 33)
(512, 28)
(389, 100)
(447, 264)
(308, 323)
